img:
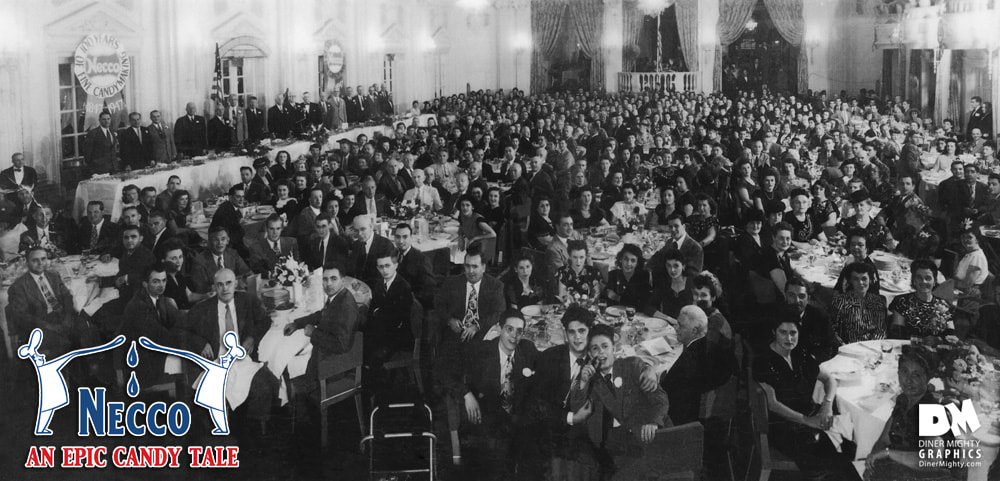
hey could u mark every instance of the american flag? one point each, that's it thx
(217, 92)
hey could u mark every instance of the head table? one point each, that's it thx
(204, 177)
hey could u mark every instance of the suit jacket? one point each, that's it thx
(694, 258)
(336, 113)
(336, 252)
(556, 254)
(449, 302)
(256, 126)
(134, 266)
(7, 180)
(27, 307)
(220, 134)
(481, 377)
(361, 265)
(263, 256)
(632, 407)
(335, 325)
(100, 153)
(699, 369)
(228, 216)
(106, 238)
(388, 323)
(370, 108)
(30, 238)
(279, 122)
(161, 143)
(355, 109)
(302, 225)
(161, 322)
(156, 246)
(541, 185)
(550, 388)
(238, 120)
(203, 324)
(189, 135)
(360, 206)
(256, 192)
(315, 114)
(204, 267)
(416, 268)
(136, 149)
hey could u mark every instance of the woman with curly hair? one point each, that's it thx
(630, 284)
(921, 313)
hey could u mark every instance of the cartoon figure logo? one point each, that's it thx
(211, 393)
(52, 392)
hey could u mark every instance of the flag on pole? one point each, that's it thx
(217, 93)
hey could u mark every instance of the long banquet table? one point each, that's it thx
(212, 177)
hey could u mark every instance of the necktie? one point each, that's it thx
(160, 314)
(107, 133)
(137, 134)
(219, 261)
(94, 234)
(277, 249)
(230, 325)
(43, 237)
(471, 308)
(322, 252)
(50, 298)
(673, 245)
(329, 300)
(506, 386)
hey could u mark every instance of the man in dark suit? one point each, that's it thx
(218, 256)
(324, 248)
(387, 330)
(152, 314)
(158, 233)
(221, 131)
(243, 314)
(816, 334)
(369, 111)
(269, 247)
(369, 247)
(133, 261)
(189, 132)
(253, 192)
(136, 143)
(18, 175)
(256, 126)
(370, 202)
(414, 266)
(698, 370)
(331, 330)
(355, 108)
(311, 111)
(540, 182)
(229, 216)
(279, 118)
(492, 385)
(694, 255)
(161, 139)
(979, 118)
(100, 149)
(39, 299)
(977, 194)
(467, 306)
(97, 233)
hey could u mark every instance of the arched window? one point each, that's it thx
(244, 62)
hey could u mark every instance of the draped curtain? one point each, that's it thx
(733, 18)
(787, 18)
(546, 19)
(632, 19)
(687, 30)
(588, 17)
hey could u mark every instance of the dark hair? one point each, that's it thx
(216, 229)
(148, 189)
(129, 227)
(576, 245)
(509, 313)
(925, 264)
(271, 218)
(391, 253)
(796, 281)
(787, 318)
(635, 251)
(157, 213)
(858, 268)
(403, 225)
(171, 244)
(158, 266)
(857, 233)
(796, 192)
(780, 226)
(323, 216)
(707, 280)
(601, 330)
(97, 203)
(577, 314)
(475, 250)
(236, 188)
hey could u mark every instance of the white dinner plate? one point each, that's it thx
(531, 311)
(655, 324)
(600, 256)
(615, 311)
(451, 229)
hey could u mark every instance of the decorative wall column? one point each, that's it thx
(708, 38)
(614, 34)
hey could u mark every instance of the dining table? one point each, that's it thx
(652, 339)
(604, 244)
(867, 388)
(821, 265)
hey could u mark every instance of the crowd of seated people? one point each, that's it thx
(739, 184)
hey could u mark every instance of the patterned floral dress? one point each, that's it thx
(923, 318)
(587, 282)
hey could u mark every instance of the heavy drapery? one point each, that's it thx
(733, 18)
(632, 18)
(787, 18)
(588, 18)
(687, 30)
(546, 20)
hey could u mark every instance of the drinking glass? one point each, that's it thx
(630, 313)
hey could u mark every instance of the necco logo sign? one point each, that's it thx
(101, 65)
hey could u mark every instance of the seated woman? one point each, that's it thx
(788, 373)
(790, 179)
(576, 277)
(179, 215)
(630, 284)
(628, 209)
(331, 206)
(858, 312)
(522, 287)
(878, 236)
(921, 313)
(804, 231)
(685, 198)
(674, 292)
(768, 189)
(706, 291)
(703, 225)
(473, 227)
(822, 210)
(657, 220)
(917, 239)
(750, 244)
(587, 213)
(283, 201)
(972, 269)
(540, 226)
(895, 454)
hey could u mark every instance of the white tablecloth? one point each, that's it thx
(211, 178)
(819, 271)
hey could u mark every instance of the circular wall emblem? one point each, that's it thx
(101, 65)
(334, 57)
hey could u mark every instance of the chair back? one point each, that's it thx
(676, 450)
(758, 407)
(417, 320)
(342, 363)
(764, 290)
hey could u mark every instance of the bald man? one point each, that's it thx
(190, 132)
(365, 252)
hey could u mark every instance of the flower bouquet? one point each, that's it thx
(406, 210)
(633, 222)
(289, 273)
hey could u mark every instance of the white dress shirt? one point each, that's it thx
(222, 323)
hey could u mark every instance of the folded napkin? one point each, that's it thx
(656, 346)
(842, 428)
(106, 295)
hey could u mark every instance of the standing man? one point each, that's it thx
(190, 133)
(161, 140)
(18, 175)
(236, 118)
(279, 119)
(980, 118)
(311, 111)
(336, 112)
(256, 126)
(100, 149)
(355, 108)
(136, 143)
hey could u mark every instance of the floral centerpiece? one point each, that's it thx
(53, 250)
(406, 210)
(288, 272)
(633, 222)
(965, 373)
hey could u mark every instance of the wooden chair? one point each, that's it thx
(411, 360)
(770, 460)
(675, 453)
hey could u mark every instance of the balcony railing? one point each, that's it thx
(671, 81)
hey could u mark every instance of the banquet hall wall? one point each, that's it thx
(439, 49)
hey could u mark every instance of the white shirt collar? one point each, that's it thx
(388, 283)
(680, 240)
(315, 210)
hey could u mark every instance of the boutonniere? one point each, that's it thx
(527, 372)
(617, 382)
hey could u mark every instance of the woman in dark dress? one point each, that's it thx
(823, 210)
(685, 198)
(804, 230)
(522, 287)
(281, 168)
(283, 202)
(670, 294)
(768, 191)
(921, 313)
(750, 244)
(587, 214)
(657, 218)
(540, 227)
(180, 210)
(630, 284)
